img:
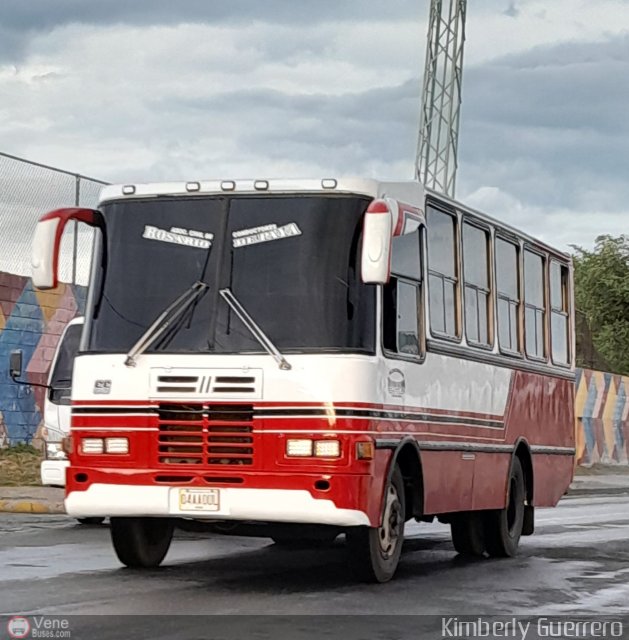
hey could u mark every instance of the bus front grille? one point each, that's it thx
(207, 435)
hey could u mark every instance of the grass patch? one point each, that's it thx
(19, 466)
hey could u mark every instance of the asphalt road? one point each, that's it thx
(576, 564)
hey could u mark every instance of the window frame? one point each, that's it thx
(420, 286)
(472, 222)
(456, 217)
(504, 237)
(527, 247)
(567, 313)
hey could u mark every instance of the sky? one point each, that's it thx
(154, 90)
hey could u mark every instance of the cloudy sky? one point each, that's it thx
(154, 89)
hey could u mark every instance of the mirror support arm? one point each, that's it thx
(29, 384)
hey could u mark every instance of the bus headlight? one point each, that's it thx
(92, 445)
(304, 448)
(299, 448)
(54, 451)
(327, 448)
(117, 445)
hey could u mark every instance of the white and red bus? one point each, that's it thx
(309, 358)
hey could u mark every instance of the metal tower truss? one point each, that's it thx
(436, 160)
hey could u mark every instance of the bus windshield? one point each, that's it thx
(292, 261)
(61, 377)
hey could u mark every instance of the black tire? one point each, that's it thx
(90, 520)
(374, 552)
(503, 527)
(141, 542)
(468, 533)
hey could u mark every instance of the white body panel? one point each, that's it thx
(441, 383)
(57, 419)
(42, 253)
(266, 505)
(53, 472)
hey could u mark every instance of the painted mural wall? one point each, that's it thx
(602, 413)
(33, 321)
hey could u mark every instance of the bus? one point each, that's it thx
(309, 358)
(57, 409)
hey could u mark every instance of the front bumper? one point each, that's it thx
(263, 505)
(53, 472)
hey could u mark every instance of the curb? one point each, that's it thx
(31, 506)
(601, 491)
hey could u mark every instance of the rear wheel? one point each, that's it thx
(468, 535)
(141, 542)
(374, 552)
(503, 527)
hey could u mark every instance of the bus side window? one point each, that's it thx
(401, 297)
(508, 289)
(559, 313)
(477, 294)
(442, 273)
(534, 305)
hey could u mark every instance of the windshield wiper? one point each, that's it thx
(165, 320)
(254, 329)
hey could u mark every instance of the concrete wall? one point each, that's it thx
(32, 321)
(602, 414)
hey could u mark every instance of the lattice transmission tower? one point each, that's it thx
(437, 147)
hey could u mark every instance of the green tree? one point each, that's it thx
(601, 280)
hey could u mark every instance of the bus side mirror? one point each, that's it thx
(47, 242)
(15, 364)
(376, 250)
(384, 220)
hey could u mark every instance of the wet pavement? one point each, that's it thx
(577, 563)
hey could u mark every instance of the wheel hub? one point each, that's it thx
(389, 531)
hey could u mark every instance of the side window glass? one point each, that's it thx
(405, 258)
(401, 317)
(508, 288)
(401, 297)
(442, 273)
(476, 280)
(534, 305)
(559, 313)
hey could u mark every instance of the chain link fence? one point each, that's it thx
(28, 190)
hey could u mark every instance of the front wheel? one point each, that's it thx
(308, 542)
(503, 527)
(374, 552)
(141, 542)
(88, 521)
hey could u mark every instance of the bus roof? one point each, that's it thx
(411, 191)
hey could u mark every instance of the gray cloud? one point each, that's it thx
(145, 91)
(550, 126)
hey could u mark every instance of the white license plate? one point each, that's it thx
(199, 499)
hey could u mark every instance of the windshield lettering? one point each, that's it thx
(266, 233)
(195, 239)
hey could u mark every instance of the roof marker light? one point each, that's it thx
(329, 183)
(261, 185)
(228, 185)
(193, 186)
(128, 189)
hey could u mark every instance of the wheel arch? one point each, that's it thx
(407, 455)
(522, 451)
